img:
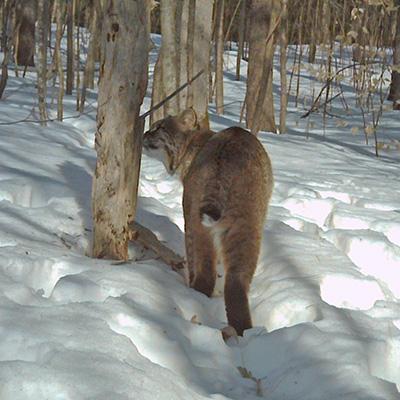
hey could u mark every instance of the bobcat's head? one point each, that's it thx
(168, 138)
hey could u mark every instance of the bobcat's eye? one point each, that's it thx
(152, 146)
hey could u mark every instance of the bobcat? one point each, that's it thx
(227, 183)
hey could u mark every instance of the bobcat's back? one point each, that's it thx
(231, 177)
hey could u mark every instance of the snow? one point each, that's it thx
(325, 299)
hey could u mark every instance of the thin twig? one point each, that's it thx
(314, 107)
(173, 94)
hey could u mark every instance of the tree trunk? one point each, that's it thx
(241, 32)
(283, 42)
(182, 38)
(259, 95)
(78, 67)
(25, 19)
(219, 57)
(311, 18)
(185, 50)
(169, 53)
(201, 56)
(59, 21)
(5, 45)
(157, 94)
(190, 41)
(70, 47)
(90, 60)
(123, 82)
(42, 36)
(394, 94)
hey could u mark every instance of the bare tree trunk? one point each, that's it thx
(169, 53)
(157, 93)
(190, 40)
(25, 19)
(78, 66)
(312, 17)
(59, 20)
(394, 94)
(241, 32)
(5, 45)
(201, 56)
(219, 57)
(283, 60)
(185, 50)
(123, 82)
(70, 47)
(259, 96)
(171, 69)
(42, 34)
(182, 33)
(90, 61)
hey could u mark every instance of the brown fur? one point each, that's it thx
(227, 180)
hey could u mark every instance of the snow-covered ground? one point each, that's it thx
(325, 299)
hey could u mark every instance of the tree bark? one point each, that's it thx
(312, 21)
(283, 42)
(201, 56)
(394, 94)
(157, 94)
(90, 61)
(219, 57)
(172, 70)
(182, 53)
(241, 34)
(190, 41)
(42, 36)
(25, 19)
(123, 82)
(59, 21)
(5, 45)
(169, 53)
(70, 47)
(259, 95)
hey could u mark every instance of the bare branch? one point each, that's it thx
(149, 240)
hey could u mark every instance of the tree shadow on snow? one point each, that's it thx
(80, 182)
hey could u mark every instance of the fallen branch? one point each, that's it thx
(148, 239)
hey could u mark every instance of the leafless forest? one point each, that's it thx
(77, 45)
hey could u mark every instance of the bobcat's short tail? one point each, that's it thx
(212, 203)
(210, 214)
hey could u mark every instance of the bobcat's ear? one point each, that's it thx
(188, 118)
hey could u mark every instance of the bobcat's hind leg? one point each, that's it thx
(240, 261)
(189, 254)
(205, 260)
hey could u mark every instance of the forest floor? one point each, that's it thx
(325, 299)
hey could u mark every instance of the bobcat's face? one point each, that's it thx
(156, 144)
(166, 141)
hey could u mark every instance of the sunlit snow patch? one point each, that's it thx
(348, 292)
(313, 210)
(373, 254)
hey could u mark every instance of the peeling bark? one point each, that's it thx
(123, 82)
